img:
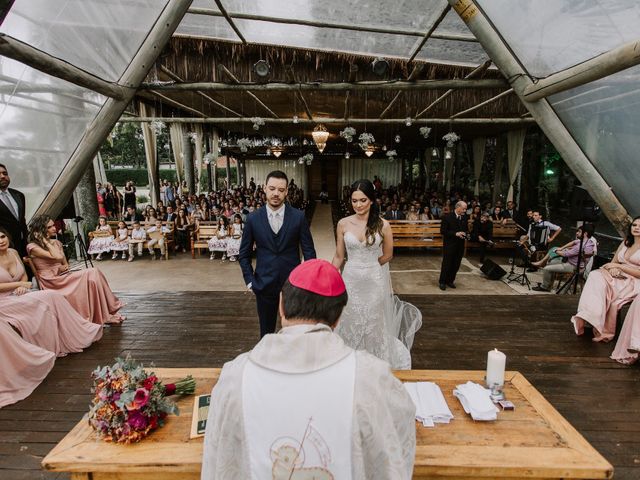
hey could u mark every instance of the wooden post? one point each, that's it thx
(86, 198)
(228, 175)
(546, 117)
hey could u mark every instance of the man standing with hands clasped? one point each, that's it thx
(279, 231)
(454, 228)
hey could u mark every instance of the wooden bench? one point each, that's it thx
(201, 236)
(169, 237)
(415, 233)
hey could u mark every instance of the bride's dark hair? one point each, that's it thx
(374, 222)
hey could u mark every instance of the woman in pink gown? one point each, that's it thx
(628, 344)
(609, 288)
(42, 318)
(24, 366)
(86, 290)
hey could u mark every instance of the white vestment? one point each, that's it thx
(383, 417)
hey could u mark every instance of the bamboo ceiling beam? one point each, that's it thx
(608, 63)
(291, 77)
(39, 60)
(476, 71)
(417, 69)
(354, 121)
(453, 84)
(353, 72)
(482, 104)
(336, 26)
(175, 103)
(175, 77)
(230, 21)
(430, 32)
(237, 84)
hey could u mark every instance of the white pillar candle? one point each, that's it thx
(496, 361)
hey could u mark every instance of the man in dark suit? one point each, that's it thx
(454, 229)
(12, 212)
(394, 213)
(133, 215)
(279, 231)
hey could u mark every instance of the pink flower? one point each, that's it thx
(141, 398)
(149, 382)
(137, 420)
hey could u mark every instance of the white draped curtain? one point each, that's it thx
(259, 169)
(479, 144)
(389, 172)
(176, 132)
(198, 154)
(151, 153)
(515, 144)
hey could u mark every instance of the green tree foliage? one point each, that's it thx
(125, 146)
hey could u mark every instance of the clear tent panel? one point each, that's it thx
(42, 120)
(205, 26)
(552, 35)
(453, 52)
(97, 36)
(604, 119)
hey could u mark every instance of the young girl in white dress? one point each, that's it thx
(121, 242)
(234, 238)
(374, 319)
(219, 242)
(102, 243)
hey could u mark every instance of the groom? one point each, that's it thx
(279, 231)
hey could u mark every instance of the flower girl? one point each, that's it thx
(235, 236)
(102, 239)
(121, 242)
(219, 242)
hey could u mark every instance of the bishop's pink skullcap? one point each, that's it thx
(318, 276)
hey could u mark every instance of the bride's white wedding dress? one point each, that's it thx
(374, 319)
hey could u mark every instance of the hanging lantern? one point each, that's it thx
(320, 136)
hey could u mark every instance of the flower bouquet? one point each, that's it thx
(130, 402)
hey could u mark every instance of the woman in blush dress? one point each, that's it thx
(609, 288)
(374, 319)
(43, 318)
(86, 290)
(24, 366)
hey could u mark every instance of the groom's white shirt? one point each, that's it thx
(382, 416)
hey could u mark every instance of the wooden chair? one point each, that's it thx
(201, 236)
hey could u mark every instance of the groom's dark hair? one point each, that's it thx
(303, 304)
(277, 174)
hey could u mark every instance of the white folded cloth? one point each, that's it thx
(476, 401)
(431, 407)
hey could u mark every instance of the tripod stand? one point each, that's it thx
(575, 277)
(521, 278)
(82, 247)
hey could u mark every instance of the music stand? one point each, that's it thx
(521, 278)
(82, 247)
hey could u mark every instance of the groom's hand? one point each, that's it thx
(249, 289)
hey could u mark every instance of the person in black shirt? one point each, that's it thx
(483, 233)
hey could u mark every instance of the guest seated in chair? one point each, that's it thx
(86, 290)
(610, 287)
(304, 383)
(565, 259)
(42, 318)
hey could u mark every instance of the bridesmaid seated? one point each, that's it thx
(86, 290)
(24, 366)
(628, 344)
(610, 287)
(41, 318)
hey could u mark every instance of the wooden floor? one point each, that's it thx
(205, 329)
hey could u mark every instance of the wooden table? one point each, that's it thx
(532, 442)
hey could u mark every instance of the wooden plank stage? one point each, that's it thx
(205, 329)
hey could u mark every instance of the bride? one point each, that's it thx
(374, 318)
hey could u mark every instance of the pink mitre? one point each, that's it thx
(318, 276)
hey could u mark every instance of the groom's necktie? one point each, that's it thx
(276, 222)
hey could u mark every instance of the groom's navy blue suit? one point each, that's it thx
(276, 256)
